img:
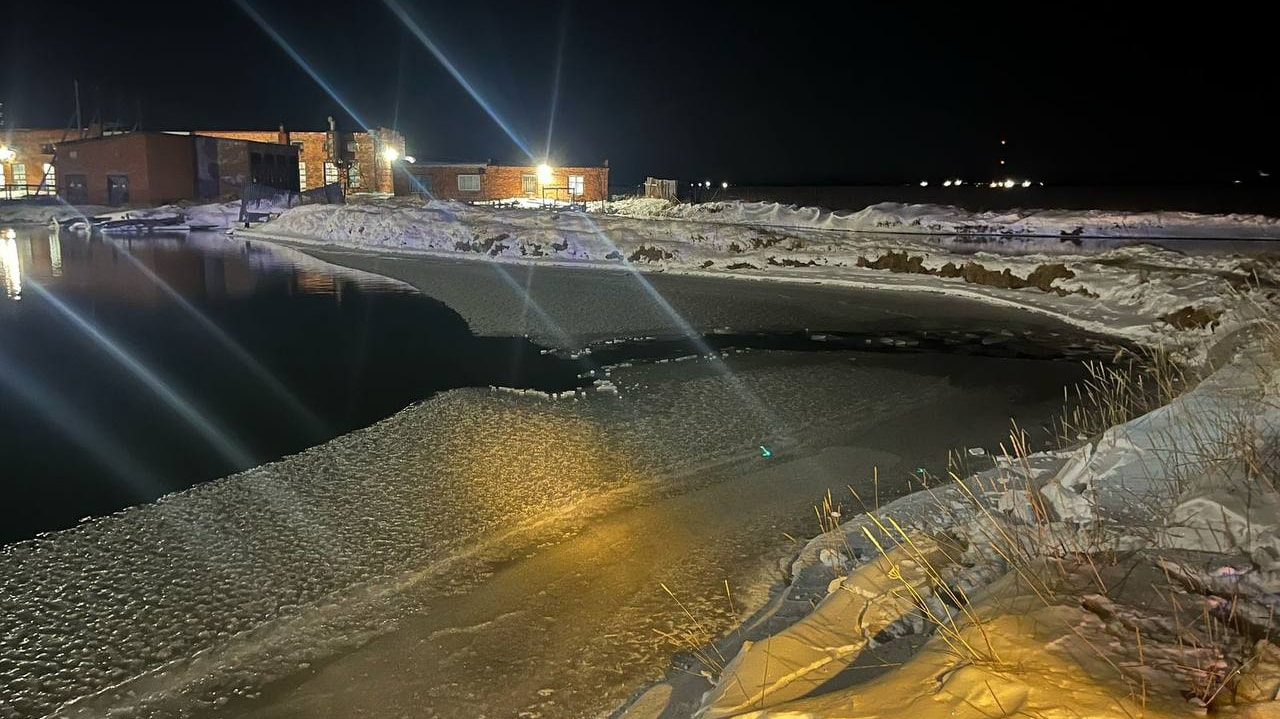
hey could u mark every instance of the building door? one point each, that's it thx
(117, 189)
(77, 190)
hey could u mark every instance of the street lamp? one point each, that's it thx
(391, 154)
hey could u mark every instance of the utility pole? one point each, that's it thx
(79, 123)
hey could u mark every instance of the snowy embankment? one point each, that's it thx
(181, 216)
(1138, 292)
(22, 213)
(1030, 585)
(894, 217)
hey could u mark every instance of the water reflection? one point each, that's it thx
(278, 350)
(198, 266)
(10, 267)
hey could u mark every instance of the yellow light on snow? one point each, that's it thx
(391, 154)
(544, 174)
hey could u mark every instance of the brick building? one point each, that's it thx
(356, 160)
(159, 167)
(483, 181)
(26, 158)
(359, 161)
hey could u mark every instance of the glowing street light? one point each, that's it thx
(1008, 183)
(410, 159)
(391, 154)
(706, 183)
(724, 185)
(946, 183)
(1026, 183)
(544, 174)
(924, 183)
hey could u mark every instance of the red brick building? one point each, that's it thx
(159, 167)
(481, 182)
(26, 157)
(359, 161)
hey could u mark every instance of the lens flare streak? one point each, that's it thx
(229, 449)
(403, 15)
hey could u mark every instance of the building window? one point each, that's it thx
(73, 154)
(351, 146)
(46, 149)
(297, 144)
(19, 174)
(50, 179)
(353, 176)
(577, 185)
(302, 175)
(528, 184)
(468, 183)
(330, 173)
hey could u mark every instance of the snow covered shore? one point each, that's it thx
(895, 217)
(1139, 292)
(1017, 579)
(212, 215)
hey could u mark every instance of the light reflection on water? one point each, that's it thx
(279, 350)
(10, 267)
(196, 265)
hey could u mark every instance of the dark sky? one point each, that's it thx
(783, 93)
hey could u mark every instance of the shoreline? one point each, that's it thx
(890, 283)
(773, 617)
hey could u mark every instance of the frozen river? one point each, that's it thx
(489, 553)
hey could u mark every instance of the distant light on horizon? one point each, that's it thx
(1026, 183)
(1008, 183)
(724, 185)
(946, 183)
(924, 183)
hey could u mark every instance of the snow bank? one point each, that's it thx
(947, 220)
(1046, 641)
(214, 216)
(1140, 292)
(21, 213)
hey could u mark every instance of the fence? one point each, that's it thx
(661, 189)
(22, 192)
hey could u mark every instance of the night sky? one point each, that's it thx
(790, 93)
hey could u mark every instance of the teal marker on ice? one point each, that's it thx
(764, 452)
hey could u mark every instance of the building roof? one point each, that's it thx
(443, 163)
(163, 133)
